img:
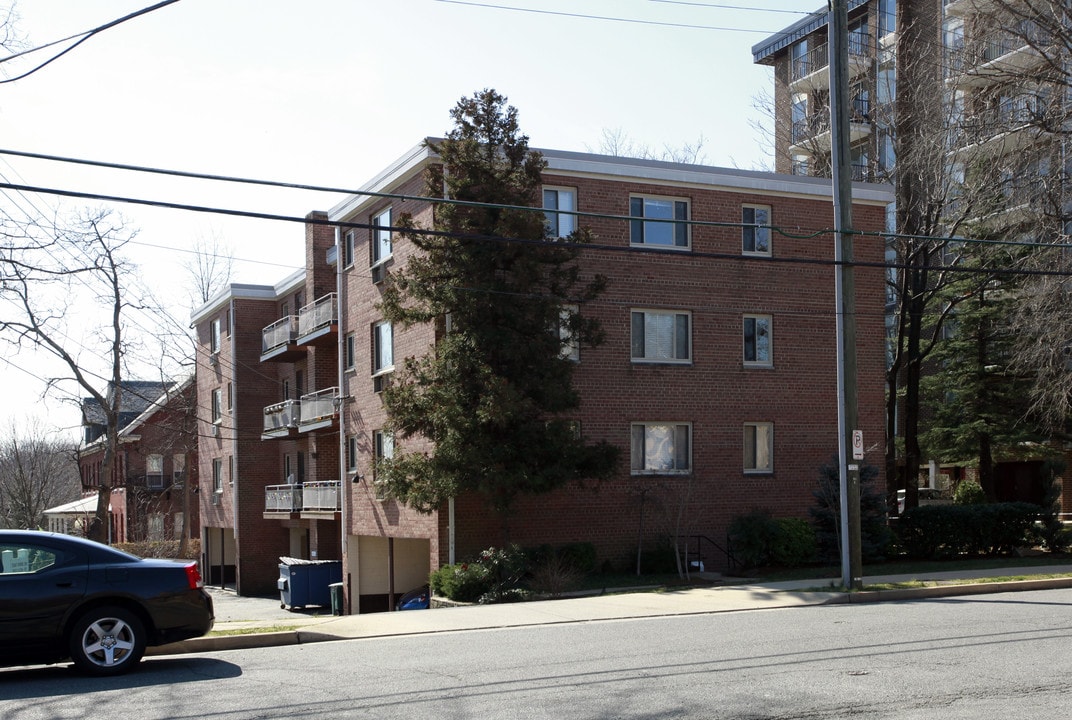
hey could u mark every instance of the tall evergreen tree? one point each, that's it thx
(979, 401)
(494, 396)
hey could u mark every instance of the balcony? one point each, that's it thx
(319, 409)
(279, 341)
(283, 499)
(1014, 203)
(812, 135)
(994, 58)
(1008, 128)
(318, 322)
(322, 497)
(963, 8)
(281, 420)
(311, 499)
(809, 73)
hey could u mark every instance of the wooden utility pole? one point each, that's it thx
(845, 290)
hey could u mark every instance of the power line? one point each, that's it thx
(84, 35)
(584, 16)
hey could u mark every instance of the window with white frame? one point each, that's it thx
(571, 348)
(660, 448)
(217, 475)
(383, 350)
(351, 453)
(757, 340)
(154, 471)
(759, 447)
(348, 249)
(755, 230)
(217, 406)
(556, 200)
(215, 342)
(383, 449)
(661, 336)
(350, 352)
(659, 222)
(381, 237)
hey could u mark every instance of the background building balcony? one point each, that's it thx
(810, 73)
(281, 419)
(278, 341)
(318, 322)
(319, 409)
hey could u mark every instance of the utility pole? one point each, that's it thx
(845, 290)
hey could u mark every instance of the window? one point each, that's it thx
(154, 472)
(560, 225)
(661, 336)
(230, 397)
(351, 453)
(759, 447)
(349, 352)
(178, 469)
(663, 222)
(231, 472)
(217, 406)
(755, 230)
(348, 249)
(384, 448)
(383, 352)
(27, 559)
(660, 448)
(381, 237)
(571, 348)
(214, 337)
(217, 475)
(288, 474)
(757, 340)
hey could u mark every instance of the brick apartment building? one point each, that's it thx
(994, 111)
(155, 472)
(716, 379)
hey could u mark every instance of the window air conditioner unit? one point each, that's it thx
(214, 359)
(215, 498)
(380, 382)
(215, 431)
(378, 274)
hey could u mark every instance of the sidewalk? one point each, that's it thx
(259, 615)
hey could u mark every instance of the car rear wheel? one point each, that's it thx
(107, 641)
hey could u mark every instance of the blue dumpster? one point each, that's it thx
(307, 582)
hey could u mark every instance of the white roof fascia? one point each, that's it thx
(242, 291)
(401, 169)
(750, 181)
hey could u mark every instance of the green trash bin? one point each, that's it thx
(337, 598)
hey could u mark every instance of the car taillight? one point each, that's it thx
(193, 576)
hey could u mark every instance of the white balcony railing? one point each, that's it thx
(283, 498)
(319, 405)
(279, 333)
(282, 416)
(321, 496)
(319, 314)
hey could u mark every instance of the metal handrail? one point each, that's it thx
(699, 556)
(321, 495)
(286, 414)
(319, 405)
(317, 314)
(279, 333)
(283, 498)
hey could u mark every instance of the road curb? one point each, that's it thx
(950, 590)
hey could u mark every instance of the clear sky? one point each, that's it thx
(328, 92)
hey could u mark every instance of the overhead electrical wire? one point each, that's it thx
(84, 37)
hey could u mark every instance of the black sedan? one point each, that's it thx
(62, 597)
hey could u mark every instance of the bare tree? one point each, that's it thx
(43, 278)
(210, 268)
(37, 472)
(617, 143)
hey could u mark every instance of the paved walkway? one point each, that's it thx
(263, 623)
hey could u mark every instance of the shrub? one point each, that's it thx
(493, 576)
(554, 575)
(794, 544)
(875, 535)
(758, 539)
(938, 532)
(969, 492)
(161, 549)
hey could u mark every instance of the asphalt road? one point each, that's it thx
(964, 657)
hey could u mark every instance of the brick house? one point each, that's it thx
(155, 472)
(716, 379)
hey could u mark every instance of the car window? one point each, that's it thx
(26, 558)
